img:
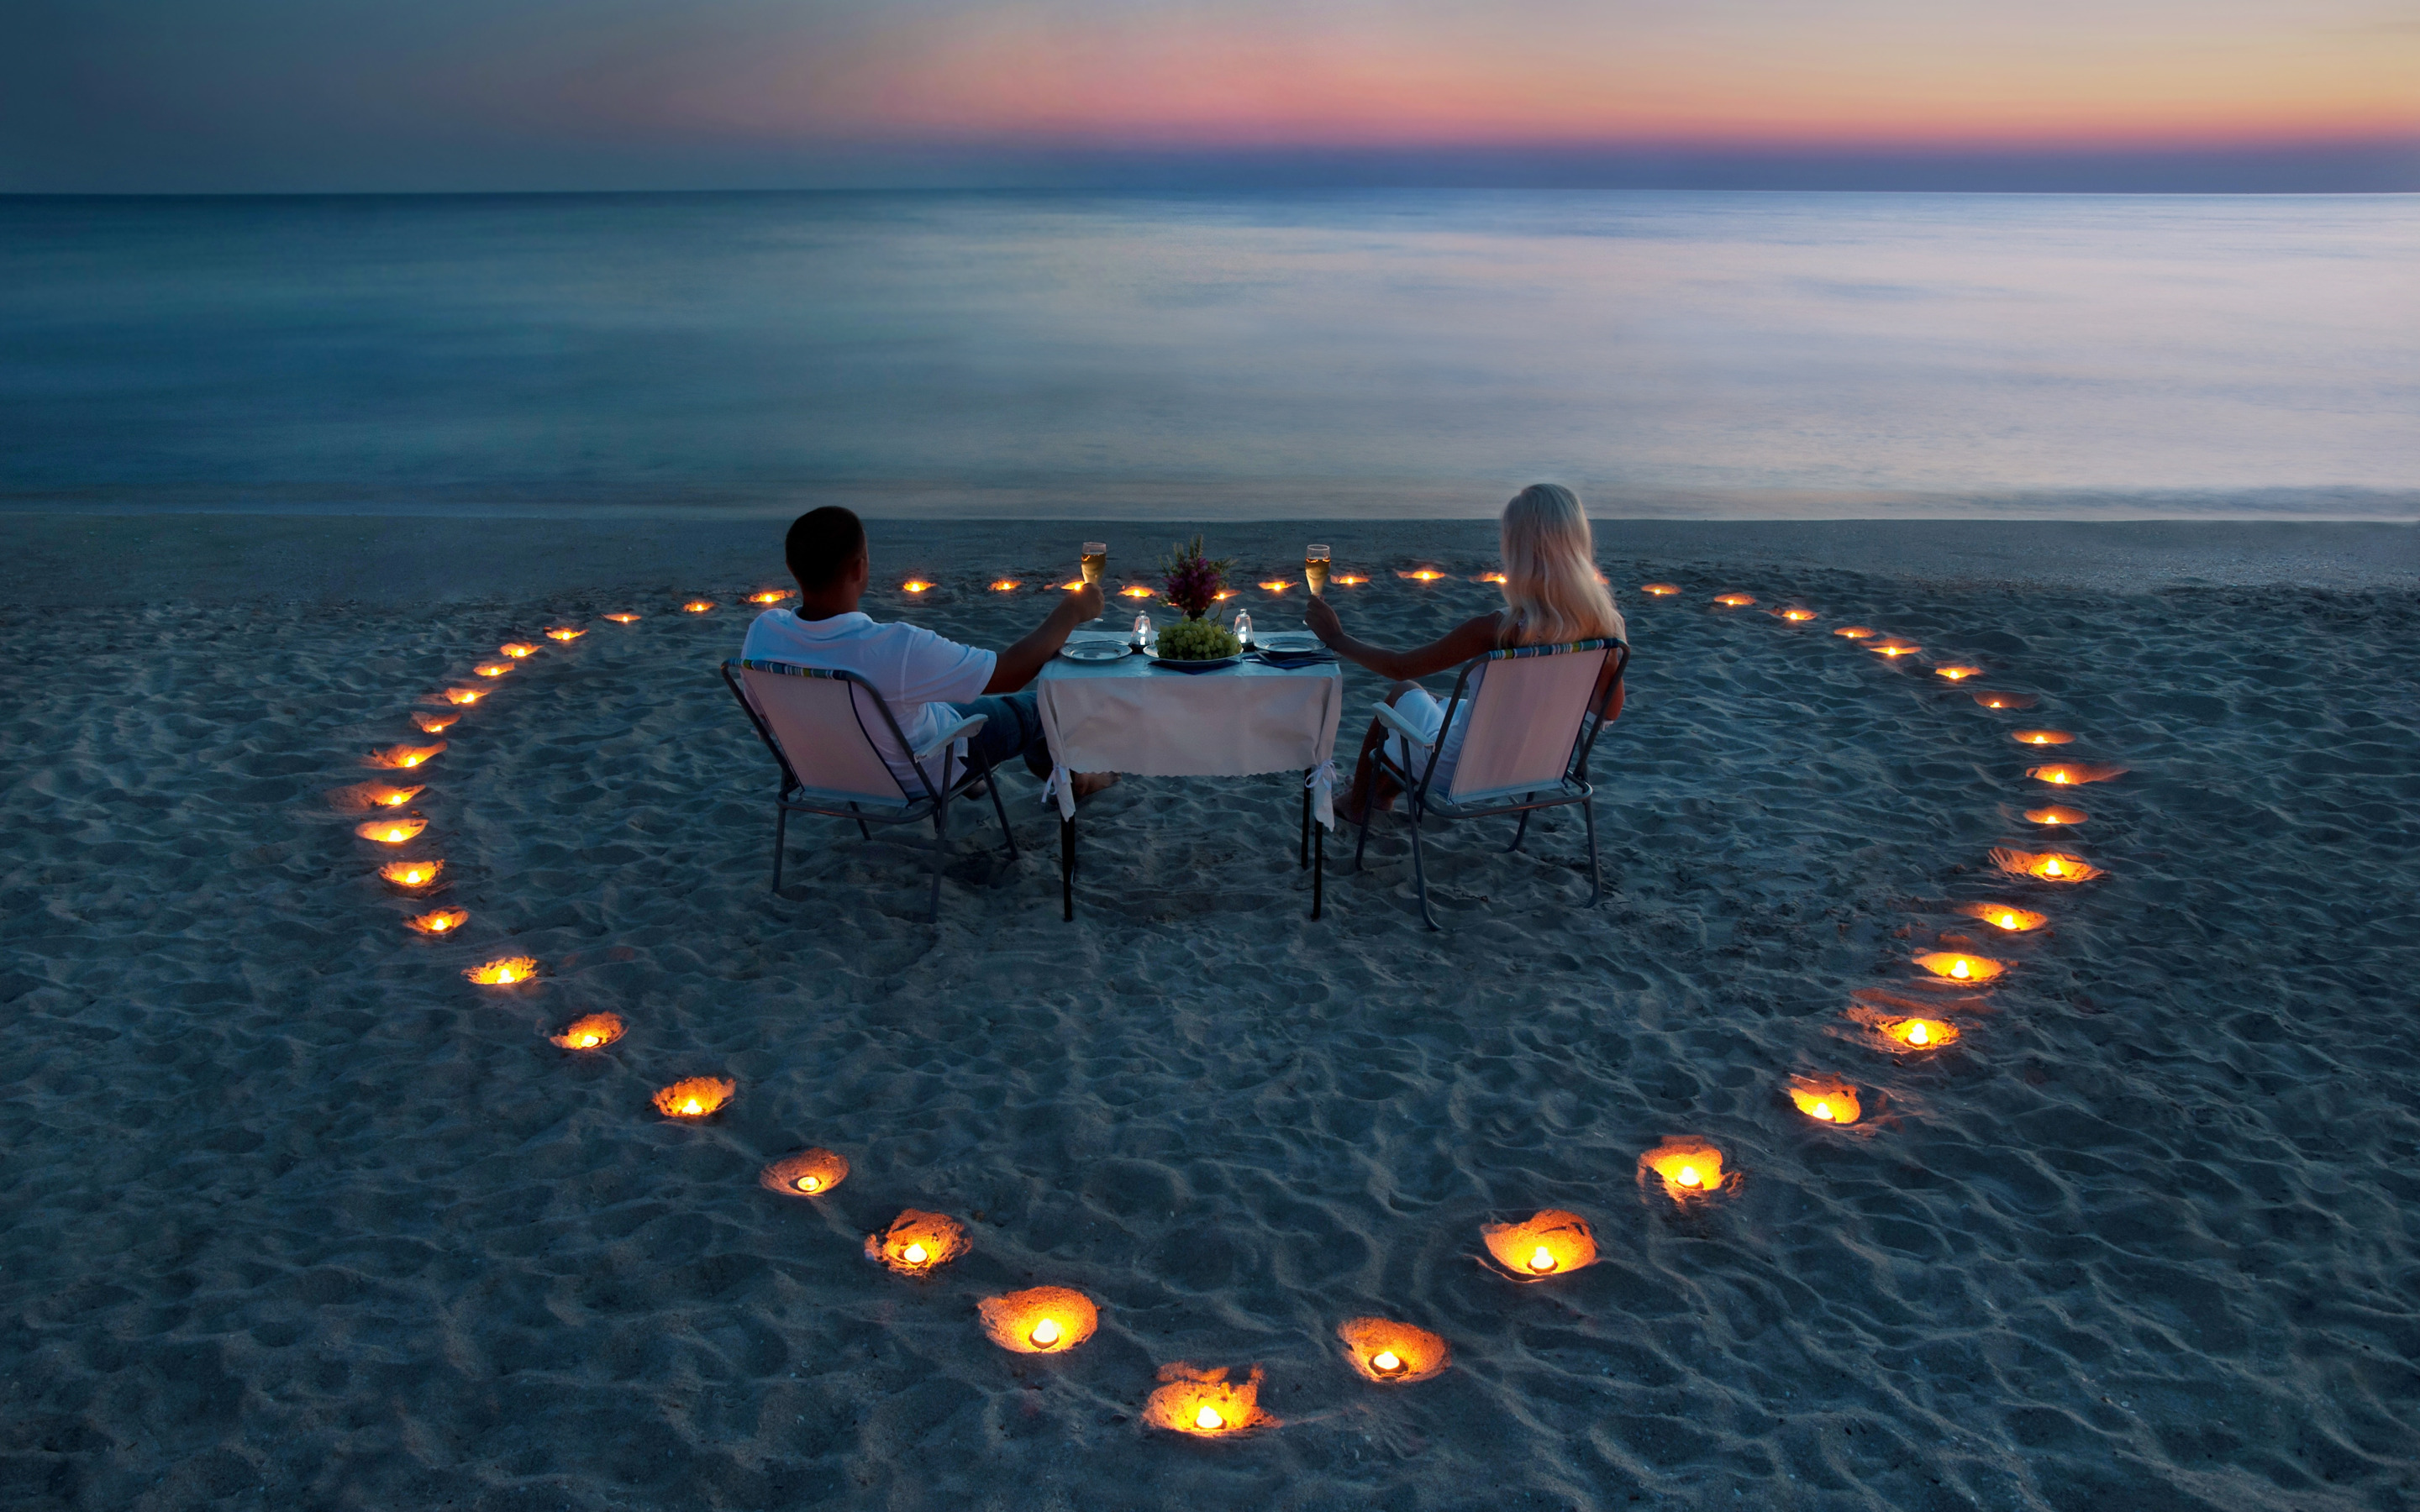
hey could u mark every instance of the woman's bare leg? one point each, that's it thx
(1369, 783)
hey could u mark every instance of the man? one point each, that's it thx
(927, 679)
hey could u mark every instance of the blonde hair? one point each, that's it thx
(1551, 593)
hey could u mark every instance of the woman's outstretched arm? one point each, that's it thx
(1472, 638)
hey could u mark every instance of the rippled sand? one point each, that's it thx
(297, 1216)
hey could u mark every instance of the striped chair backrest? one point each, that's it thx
(824, 726)
(1525, 717)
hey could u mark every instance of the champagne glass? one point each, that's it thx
(1094, 561)
(1314, 569)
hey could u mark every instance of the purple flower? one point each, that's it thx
(1193, 581)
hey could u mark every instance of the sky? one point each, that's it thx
(275, 96)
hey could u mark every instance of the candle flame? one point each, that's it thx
(694, 1097)
(1200, 1401)
(431, 723)
(1690, 1168)
(502, 972)
(516, 649)
(1735, 600)
(1542, 1260)
(412, 873)
(443, 921)
(697, 606)
(1826, 1099)
(1392, 1354)
(1209, 1420)
(465, 695)
(623, 618)
(1916, 1033)
(1273, 586)
(1387, 1360)
(1135, 591)
(492, 668)
(1797, 616)
(1956, 673)
(590, 1031)
(1039, 1321)
(1562, 1240)
(563, 632)
(915, 585)
(2050, 866)
(2042, 737)
(2055, 814)
(1660, 590)
(810, 1184)
(1491, 578)
(1006, 585)
(917, 1243)
(2067, 772)
(1348, 579)
(1894, 649)
(769, 596)
(391, 831)
(1856, 632)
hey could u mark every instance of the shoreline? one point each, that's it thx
(60, 560)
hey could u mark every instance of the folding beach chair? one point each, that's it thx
(814, 722)
(1533, 719)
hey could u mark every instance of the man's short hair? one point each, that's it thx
(821, 545)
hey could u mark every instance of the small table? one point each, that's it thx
(1130, 715)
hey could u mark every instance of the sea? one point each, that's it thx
(1262, 356)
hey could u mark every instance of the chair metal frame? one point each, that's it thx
(796, 798)
(1572, 789)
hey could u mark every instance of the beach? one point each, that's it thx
(297, 1216)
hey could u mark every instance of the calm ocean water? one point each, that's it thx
(1255, 356)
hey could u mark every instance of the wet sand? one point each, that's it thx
(297, 1216)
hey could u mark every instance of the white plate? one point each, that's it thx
(1094, 649)
(1286, 643)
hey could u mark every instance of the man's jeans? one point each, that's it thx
(1012, 728)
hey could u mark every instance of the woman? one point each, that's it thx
(1551, 598)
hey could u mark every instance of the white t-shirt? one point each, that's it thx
(916, 672)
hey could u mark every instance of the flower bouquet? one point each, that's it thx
(1193, 581)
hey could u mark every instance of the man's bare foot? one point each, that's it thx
(1088, 783)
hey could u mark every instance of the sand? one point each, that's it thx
(298, 1217)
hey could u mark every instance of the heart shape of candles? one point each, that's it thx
(810, 1173)
(917, 1243)
(1550, 1243)
(590, 1031)
(2046, 866)
(1734, 600)
(443, 921)
(1826, 1099)
(1392, 1354)
(694, 1097)
(412, 873)
(1660, 590)
(1205, 1404)
(2067, 774)
(505, 971)
(1689, 1167)
(431, 723)
(2004, 915)
(1039, 1319)
(389, 831)
(2042, 737)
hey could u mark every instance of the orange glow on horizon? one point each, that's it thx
(1813, 78)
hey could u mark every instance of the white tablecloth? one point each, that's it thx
(1128, 715)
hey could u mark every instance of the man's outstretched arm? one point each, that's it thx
(1022, 662)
